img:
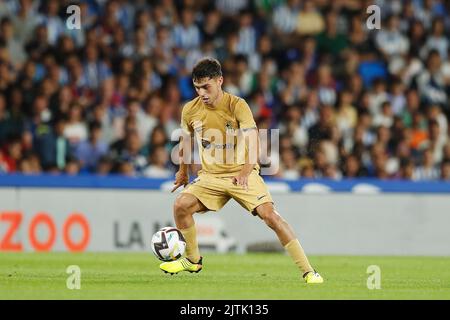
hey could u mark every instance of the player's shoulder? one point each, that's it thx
(235, 101)
(191, 105)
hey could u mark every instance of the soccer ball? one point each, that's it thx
(168, 244)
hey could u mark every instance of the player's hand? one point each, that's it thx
(181, 179)
(241, 180)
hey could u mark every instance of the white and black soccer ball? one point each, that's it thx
(168, 244)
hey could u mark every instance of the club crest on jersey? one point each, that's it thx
(229, 128)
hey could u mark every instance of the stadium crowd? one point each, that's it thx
(349, 101)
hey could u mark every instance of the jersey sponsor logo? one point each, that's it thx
(208, 145)
(224, 146)
(235, 149)
(260, 197)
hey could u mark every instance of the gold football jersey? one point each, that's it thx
(215, 129)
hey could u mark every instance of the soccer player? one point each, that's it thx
(224, 114)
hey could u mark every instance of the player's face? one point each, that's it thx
(209, 89)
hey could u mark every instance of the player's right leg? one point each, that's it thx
(184, 208)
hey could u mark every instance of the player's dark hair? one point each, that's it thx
(206, 68)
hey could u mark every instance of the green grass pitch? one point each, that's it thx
(231, 276)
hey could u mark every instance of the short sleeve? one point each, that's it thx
(244, 115)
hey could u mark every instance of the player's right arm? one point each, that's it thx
(182, 176)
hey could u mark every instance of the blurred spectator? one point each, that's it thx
(331, 172)
(89, 151)
(285, 17)
(29, 165)
(330, 41)
(322, 129)
(296, 87)
(53, 147)
(346, 114)
(310, 21)
(326, 85)
(427, 170)
(25, 21)
(3, 119)
(431, 81)
(419, 133)
(349, 102)
(104, 166)
(353, 168)
(158, 138)
(246, 42)
(52, 20)
(289, 168)
(306, 168)
(95, 70)
(75, 130)
(157, 167)
(386, 117)
(117, 146)
(406, 171)
(437, 40)
(397, 97)
(390, 40)
(436, 141)
(149, 120)
(186, 33)
(126, 168)
(14, 47)
(445, 170)
(72, 167)
(132, 152)
(10, 155)
(231, 7)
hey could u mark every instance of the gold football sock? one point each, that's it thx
(190, 235)
(297, 254)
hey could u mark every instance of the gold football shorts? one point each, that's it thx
(214, 192)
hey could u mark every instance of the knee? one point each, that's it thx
(272, 219)
(182, 206)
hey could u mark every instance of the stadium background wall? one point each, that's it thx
(51, 213)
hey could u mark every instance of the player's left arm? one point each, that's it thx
(248, 134)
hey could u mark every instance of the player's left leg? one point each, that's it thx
(258, 201)
(286, 235)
